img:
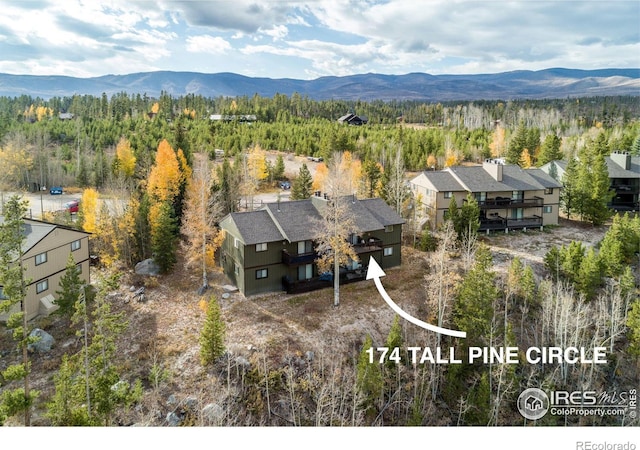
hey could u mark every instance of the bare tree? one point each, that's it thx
(337, 225)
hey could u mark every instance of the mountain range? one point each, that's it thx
(523, 84)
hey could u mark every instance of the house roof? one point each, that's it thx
(255, 227)
(443, 181)
(382, 212)
(617, 171)
(296, 219)
(544, 178)
(35, 231)
(300, 220)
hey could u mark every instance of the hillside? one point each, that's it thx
(550, 83)
(300, 343)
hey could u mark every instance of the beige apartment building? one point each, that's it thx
(509, 197)
(45, 254)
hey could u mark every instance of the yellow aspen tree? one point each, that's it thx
(89, 210)
(126, 161)
(165, 176)
(14, 163)
(257, 163)
(525, 159)
(155, 108)
(320, 176)
(185, 170)
(498, 143)
(432, 161)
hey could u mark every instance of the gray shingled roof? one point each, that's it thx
(544, 178)
(256, 227)
(300, 220)
(443, 181)
(477, 179)
(617, 171)
(296, 219)
(382, 212)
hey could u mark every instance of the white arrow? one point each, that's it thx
(375, 272)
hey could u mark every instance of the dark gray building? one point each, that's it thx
(273, 249)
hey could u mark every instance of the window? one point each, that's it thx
(548, 191)
(75, 245)
(261, 273)
(79, 266)
(236, 242)
(448, 194)
(388, 228)
(517, 213)
(2, 297)
(548, 209)
(480, 196)
(261, 247)
(305, 272)
(305, 247)
(42, 286)
(236, 269)
(517, 195)
(388, 251)
(41, 258)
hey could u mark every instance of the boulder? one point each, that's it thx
(44, 343)
(173, 420)
(147, 267)
(213, 413)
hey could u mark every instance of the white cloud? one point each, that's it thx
(207, 44)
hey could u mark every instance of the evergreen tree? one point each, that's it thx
(469, 219)
(633, 324)
(517, 144)
(550, 150)
(589, 275)
(278, 169)
(371, 170)
(212, 335)
(69, 288)
(596, 191)
(163, 237)
(473, 308)
(302, 185)
(394, 339)
(369, 379)
(570, 198)
(453, 213)
(15, 400)
(89, 385)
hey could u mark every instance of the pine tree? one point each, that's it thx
(517, 144)
(278, 169)
(372, 173)
(69, 288)
(15, 400)
(302, 185)
(589, 274)
(473, 308)
(597, 192)
(369, 379)
(163, 236)
(570, 198)
(550, 150)
(212, 335)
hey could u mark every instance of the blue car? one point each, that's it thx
(56, 190)
(285, 185)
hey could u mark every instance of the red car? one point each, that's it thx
(73, 206)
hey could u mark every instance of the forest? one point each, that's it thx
(159, 158)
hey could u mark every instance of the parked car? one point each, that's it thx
(285, 185)
(73, 206)
(56, 190)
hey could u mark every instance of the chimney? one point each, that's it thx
(623, 159)
(494, 168)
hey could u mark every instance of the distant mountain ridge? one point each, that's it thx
(548, 83)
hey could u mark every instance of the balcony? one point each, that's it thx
(506, 202)
(368, 246)
(500, 223)
(626, 189)
(302, 258)
(525, 222)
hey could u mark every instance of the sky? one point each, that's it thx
(311, 39)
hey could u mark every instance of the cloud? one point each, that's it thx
(207, 44)
(246, 16)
